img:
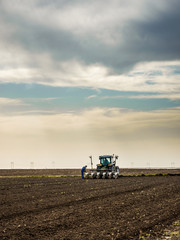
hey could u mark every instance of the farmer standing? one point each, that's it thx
(83, 169)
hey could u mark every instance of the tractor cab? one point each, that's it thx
(106, 160)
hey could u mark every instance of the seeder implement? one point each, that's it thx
(105, 169)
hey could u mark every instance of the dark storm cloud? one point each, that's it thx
(158, 39)
(39, 38)
(154, 39)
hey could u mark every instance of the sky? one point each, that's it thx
(81, 78)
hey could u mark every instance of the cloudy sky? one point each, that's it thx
(80, 78)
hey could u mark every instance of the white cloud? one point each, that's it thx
(156, 77)
(159, 96)
(102, 121)
(97, 19)
(81, 18)
(92, 96)
(10, 102)
(20, 65)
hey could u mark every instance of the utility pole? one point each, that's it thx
(148, 164)
(32, 165)
(172, 164)
(12, 165)
(53, 164)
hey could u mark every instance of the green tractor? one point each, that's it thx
(105, 169)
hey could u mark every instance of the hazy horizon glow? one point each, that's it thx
(80, 78)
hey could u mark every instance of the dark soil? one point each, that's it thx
(70, 208)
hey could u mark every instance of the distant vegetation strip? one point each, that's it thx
(150, 175)
(73, 176)
(38, 176)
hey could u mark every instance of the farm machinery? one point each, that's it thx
(105, 169)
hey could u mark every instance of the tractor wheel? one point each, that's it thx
(104, 176)
(116, 176)
(98, 176)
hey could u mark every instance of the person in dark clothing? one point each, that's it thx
(83, 169)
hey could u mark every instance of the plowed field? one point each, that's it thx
(70, 208)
